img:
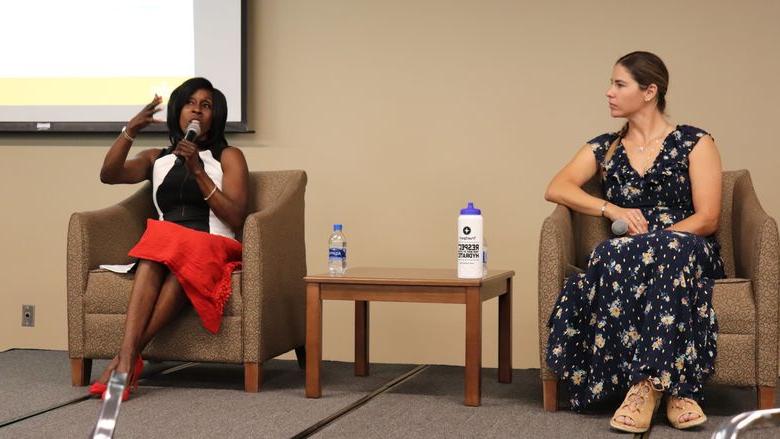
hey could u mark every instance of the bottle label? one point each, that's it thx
(337, 253)
(469, 251)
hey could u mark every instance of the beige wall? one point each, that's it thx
(400, 112)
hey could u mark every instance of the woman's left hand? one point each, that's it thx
(189, 152)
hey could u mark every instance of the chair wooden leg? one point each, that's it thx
(766, 397)
(253, 377)
(300, 354)
(80, 371)
(550, 395)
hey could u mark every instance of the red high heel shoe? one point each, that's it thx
(97, 388)
(132, 380)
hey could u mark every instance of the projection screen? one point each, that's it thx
(89, 65)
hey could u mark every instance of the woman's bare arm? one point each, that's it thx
(705, 172)
(566, 188)
(116, 167)
(230, 203)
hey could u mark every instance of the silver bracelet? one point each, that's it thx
(127, 136)
(210, 193)
(604, 207)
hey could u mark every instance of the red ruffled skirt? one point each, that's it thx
(203, 263)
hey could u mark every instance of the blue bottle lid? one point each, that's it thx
(470, 210)
(337, 227)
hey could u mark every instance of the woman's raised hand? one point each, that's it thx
(633, 217)
(144, 117)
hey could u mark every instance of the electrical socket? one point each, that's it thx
(28, 315)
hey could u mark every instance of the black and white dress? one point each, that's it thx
(178, 198)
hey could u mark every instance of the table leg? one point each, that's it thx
(361, 337)
(505, 334)
(473, 347)
(313, 340)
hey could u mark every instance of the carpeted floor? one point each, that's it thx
(430, 405)
(721, 404)
(207, 400)
(35, 380)
(204, 400)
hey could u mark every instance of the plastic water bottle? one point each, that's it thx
(337, 251)
(470, 244)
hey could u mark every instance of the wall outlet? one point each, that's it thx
(28, 315)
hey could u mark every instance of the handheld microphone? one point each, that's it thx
(619, 227)
(193, 131)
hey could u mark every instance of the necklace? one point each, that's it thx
(650, 143)
(647, 160)
(654, 140)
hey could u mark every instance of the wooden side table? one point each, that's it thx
(364, 285)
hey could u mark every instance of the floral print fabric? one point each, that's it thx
(643, 307)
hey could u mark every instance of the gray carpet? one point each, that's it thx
(35, 380)
(721, 404)
(207, 400)
(430, 405)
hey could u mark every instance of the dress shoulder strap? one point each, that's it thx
(603, 147)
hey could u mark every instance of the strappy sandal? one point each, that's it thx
(641, 402)
(677, 406)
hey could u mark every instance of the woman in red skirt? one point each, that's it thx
(199, 188)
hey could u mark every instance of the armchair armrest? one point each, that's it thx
(556, 255)
(100, 237)
(757, 257)
(274, 264)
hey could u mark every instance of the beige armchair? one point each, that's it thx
(264, 317)
(746, 302)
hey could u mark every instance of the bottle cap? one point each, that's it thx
(470, 210)
(337, 227)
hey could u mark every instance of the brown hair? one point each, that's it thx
(646, 68)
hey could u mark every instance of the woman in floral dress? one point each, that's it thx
(640, 318)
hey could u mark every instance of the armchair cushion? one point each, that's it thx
(733, 302)
(736, 364)
(105, 330)
(109, 292)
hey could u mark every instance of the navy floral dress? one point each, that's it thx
(643, 307)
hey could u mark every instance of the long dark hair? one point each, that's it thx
(646, 68)
(179, 98)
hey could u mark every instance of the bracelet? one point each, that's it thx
(604, 207)
(127, 136)
(210, 193)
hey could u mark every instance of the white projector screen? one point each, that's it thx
(90, 65)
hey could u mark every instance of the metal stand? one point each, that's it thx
(109, 411)
(741, 422)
